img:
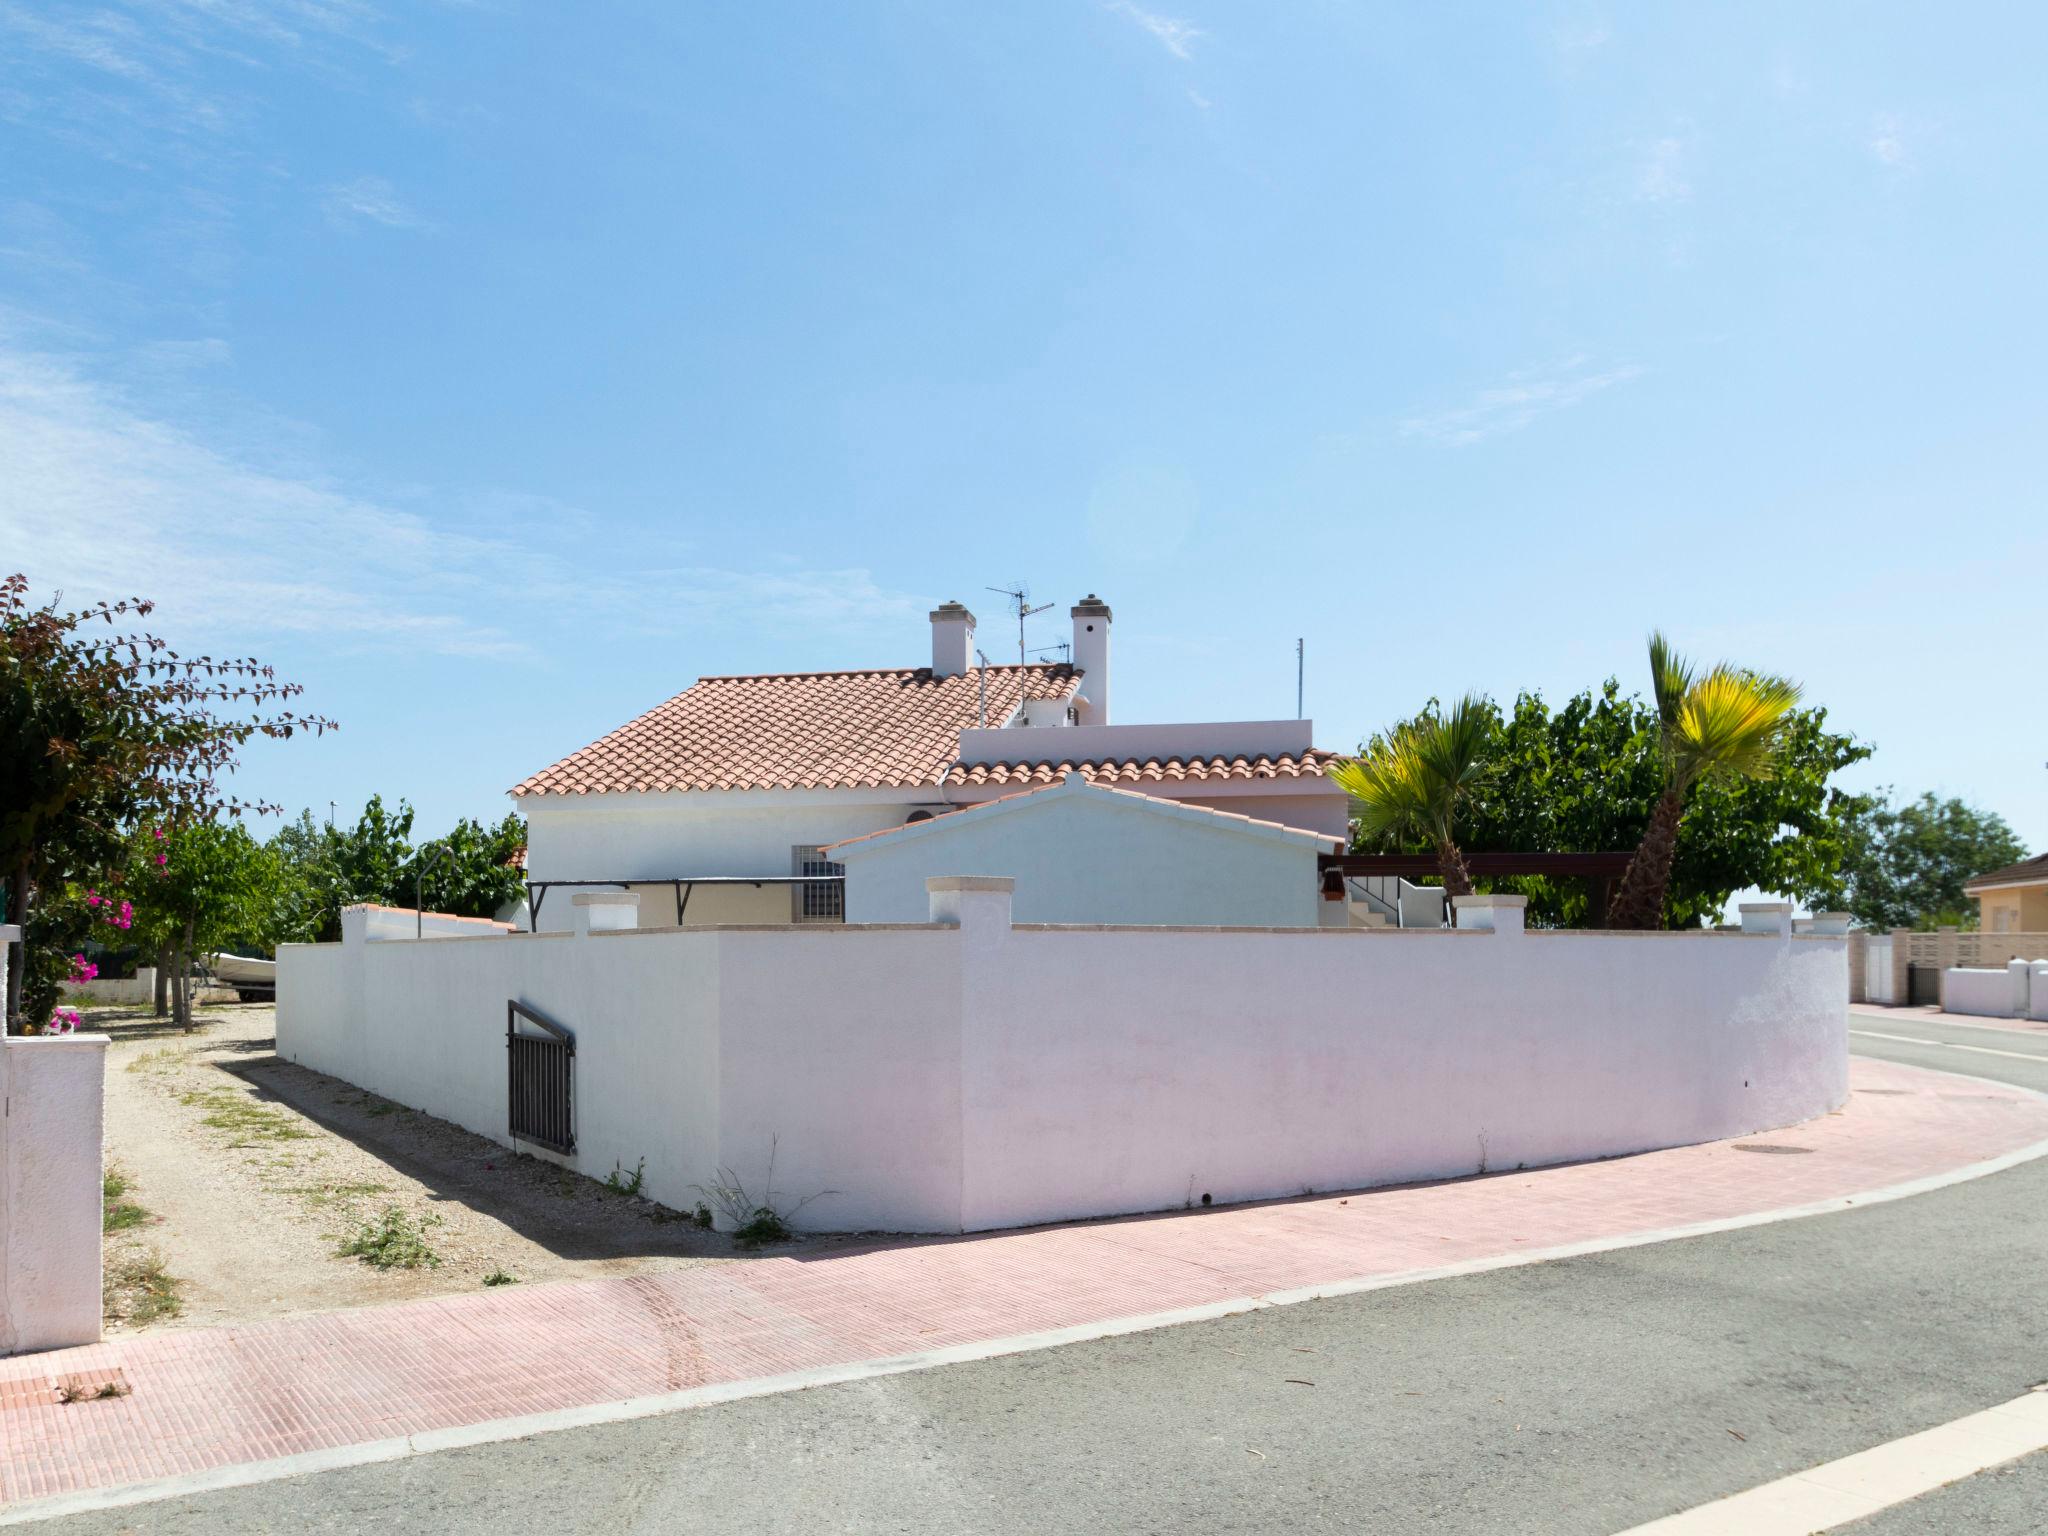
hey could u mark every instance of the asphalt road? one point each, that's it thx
(1583, 1396)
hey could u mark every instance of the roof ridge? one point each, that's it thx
(994, 666)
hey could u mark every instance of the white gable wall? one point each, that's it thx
(1091, 857)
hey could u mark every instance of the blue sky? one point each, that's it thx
(496, 370)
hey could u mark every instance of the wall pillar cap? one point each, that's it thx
(56, 1042)
(1767, 906)
(606, 899)
(1489, 901)
(1003, 883)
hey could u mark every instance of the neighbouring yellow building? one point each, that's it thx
(2013, 899)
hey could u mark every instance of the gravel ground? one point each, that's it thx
(253, 1172)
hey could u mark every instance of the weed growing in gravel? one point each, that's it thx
(756, 1219)
(393, 1241)
(321, 1196)
(117, 1214)
(244, 1117)
(139, 1289)
(620, 1182)
(161, 1060)
(500, 1277)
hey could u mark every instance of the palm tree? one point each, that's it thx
(1727, 723)
(1409, 784)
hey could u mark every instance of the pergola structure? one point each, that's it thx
(1598, 870)
(537, 890)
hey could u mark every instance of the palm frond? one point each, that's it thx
(1731, 722)
(1386, 785)
(1409, 783)
(1671, 677)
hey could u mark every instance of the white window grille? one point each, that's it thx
(824, 902)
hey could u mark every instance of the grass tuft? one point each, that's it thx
(393, 1240)
(117, 1214)
(501, 1277)
(141, 1290)
(244, 1117)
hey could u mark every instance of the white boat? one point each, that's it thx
(244, 974)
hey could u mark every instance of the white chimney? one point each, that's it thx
(952, 639)
(1091, 655)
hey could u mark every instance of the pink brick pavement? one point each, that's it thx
(209, 1398)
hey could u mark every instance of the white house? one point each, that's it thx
(1087, 853)
(748, 779)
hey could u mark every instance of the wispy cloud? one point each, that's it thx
(1525, 397)
(1175, 36)
(1888, 141)
(101, 498)
(368, 198)
(1662, 177)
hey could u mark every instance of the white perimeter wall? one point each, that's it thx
(697, 1049)
(1089, 857)
(50, 1195)
(2000, 994)
(916, 1073)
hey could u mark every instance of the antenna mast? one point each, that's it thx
(1020, 604)
(1300, 673)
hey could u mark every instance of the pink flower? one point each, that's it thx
(63, 1021)
(83, 969)
(92, 898)
(159, 831)
(163, 858)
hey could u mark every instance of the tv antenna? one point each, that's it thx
(1020, 604)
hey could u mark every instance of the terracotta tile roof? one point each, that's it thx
(2022, 873)
(801, 730)
(1157, 802)
(1151, 770)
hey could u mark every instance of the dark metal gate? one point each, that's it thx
(540, 1073)
(1923, 986)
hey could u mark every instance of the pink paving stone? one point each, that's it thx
(208, 1398)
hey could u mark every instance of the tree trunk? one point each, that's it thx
(1457, 879)
(1640, 901)
(185, 980)
(163, 980)
(10, 1006)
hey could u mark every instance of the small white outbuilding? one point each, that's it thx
(1086, 853)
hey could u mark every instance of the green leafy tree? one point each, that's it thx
(101, 728)
(201, 888)
(1905, 864)
(1585, 778)
(1409, 784)
(472, 871)
(320, 870)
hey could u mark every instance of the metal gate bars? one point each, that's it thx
(539, 1080)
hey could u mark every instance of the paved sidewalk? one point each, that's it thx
(203, 1399)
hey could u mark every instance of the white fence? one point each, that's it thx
(970, 1073)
